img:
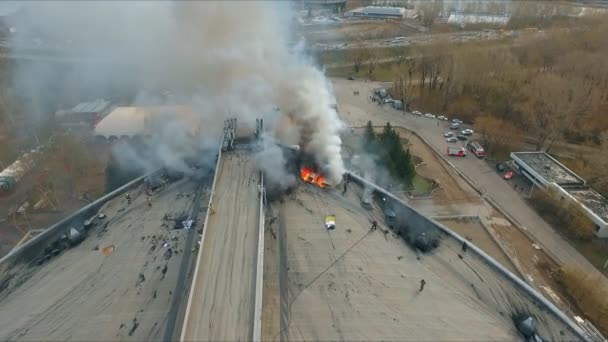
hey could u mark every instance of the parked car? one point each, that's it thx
(455, 126)
(500, 167)
(451, 139)
(442, 118)
(429, 115)
(448, 134)
(466, 132)
(381, 92)
(456, 121)
(416, 112)
(350, 78)
(461, 137)
(508, 175)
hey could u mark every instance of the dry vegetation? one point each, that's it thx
(546, 90)
(69, 171)
(565, 214)
(593, 300)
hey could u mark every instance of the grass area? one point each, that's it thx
(345, 56)
(384, 72)
(421, 185)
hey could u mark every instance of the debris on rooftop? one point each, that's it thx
(108, 250)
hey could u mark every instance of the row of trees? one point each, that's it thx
(548, 89)
(564, 214)
(392, 155)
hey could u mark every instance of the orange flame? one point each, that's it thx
(308, 175)
(320, 180)
(305, 173)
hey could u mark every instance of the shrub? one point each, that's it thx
(590, 298)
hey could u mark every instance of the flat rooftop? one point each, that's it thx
(548, 168)
(133, 293)
(222, 300)
(591, 199)
(354, 284)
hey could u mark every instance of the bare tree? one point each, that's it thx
(429, 11)
(552, 105)
(497, 135)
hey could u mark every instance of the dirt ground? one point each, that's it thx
(473, 231)
(452, 189)
(90, 181)
(351, 30)
(535, 263)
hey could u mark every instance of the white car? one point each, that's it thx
(451, 139)
(456, 121)
(467, 131)
(443, 118)
(429, 115)
(448, 134)
(416, 112)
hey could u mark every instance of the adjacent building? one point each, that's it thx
(379, 12)
(131, 122)
(89, 113)
(543, 171)
(463, 19)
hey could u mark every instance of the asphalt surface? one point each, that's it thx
(128, 295)
(223, 296)
(354, 284)
(357, 110)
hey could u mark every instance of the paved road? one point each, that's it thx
(221, 307)
(357, 110)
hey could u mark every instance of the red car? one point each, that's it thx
(509, 175)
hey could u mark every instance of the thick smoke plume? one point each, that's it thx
(224, 59)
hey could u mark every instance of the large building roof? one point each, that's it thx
(121, 283)
(97, 106)
(592, 200)
(355, 284)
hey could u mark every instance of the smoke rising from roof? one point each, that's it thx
(224, 59)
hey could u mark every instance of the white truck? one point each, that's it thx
(457, 151)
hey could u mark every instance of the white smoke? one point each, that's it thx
(272, 162)
(224, 59)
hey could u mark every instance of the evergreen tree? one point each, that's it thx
(394, 157)
(370, 136)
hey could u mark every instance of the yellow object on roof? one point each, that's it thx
(330, 221)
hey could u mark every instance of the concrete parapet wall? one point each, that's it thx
(31, 250)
